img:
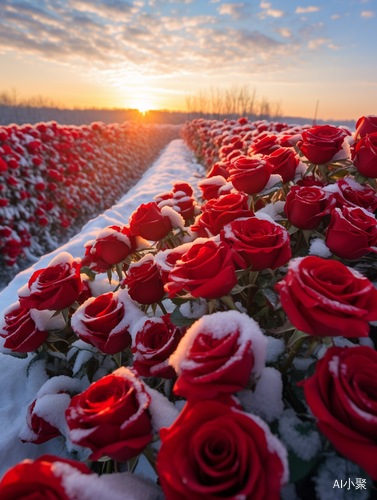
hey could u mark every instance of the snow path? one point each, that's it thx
(176, 162)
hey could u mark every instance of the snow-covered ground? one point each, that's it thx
(18, 390)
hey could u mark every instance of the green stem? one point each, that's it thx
(294, 351)
(162, 307)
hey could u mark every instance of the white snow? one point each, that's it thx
(304, 445)
(266, 400)
(273, 210)
(121, 486)
(318, 247)
(162, 411)
(194, 309)
(275, 347)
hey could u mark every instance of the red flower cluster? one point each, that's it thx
(51, 175)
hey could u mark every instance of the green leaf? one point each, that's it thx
(91, 274)
(41, 355)
(178, 302)
(299, 468)
(260, 299)
(15, 354)
(178, 319)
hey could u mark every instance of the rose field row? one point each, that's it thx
(53, 177)
(214, 330)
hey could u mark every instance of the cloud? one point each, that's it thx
(335, 16)
(334, 47)
(109, 9)
(265, 5)
(275, 13)
(317, 42)
(236, 10)
(284, 32)
(310, 8)
(367, 13)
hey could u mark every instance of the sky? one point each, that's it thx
(152, 54)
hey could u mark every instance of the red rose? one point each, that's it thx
(366, 125)
(306, 206)
(351, 233)
(324, 297)
(165, 260)
(184, 204)
(149, 223)
(38, 480)
(25, 330)
(285, 161)
(210, 187)
(104, 321)
(321, 143)
(217, 355)
(112, 246)
(41, 430)
(365, 155)
(220, 211)
(55, 288)
(262, 243)
(341, 395)
(353, 194)
(206, 270)
(265, 144)
(153, 341)
(111, 417)
(215, 451)
(250, 175)
(144, 281)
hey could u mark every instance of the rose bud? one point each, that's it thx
(42, 479)
(306, 206)
(261, 242)
(149, 222)
(55, 288)
(40, 430)
(366, 125)
(104, 321)
(365, 156)
(326, 298)
(218, 354)
(341, 395)
(210, 187)
(112, 245)
(219, 168)
(220, 211)
(206, 270)
(353, 194)
(144, 281)
(250, 175)
(111, 417)
(352, 233)
(321, 143)
(153, 341)
(208, 450)
(285, 162)
(25, 330)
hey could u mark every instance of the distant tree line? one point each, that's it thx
(231, 103)
(214, 103)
